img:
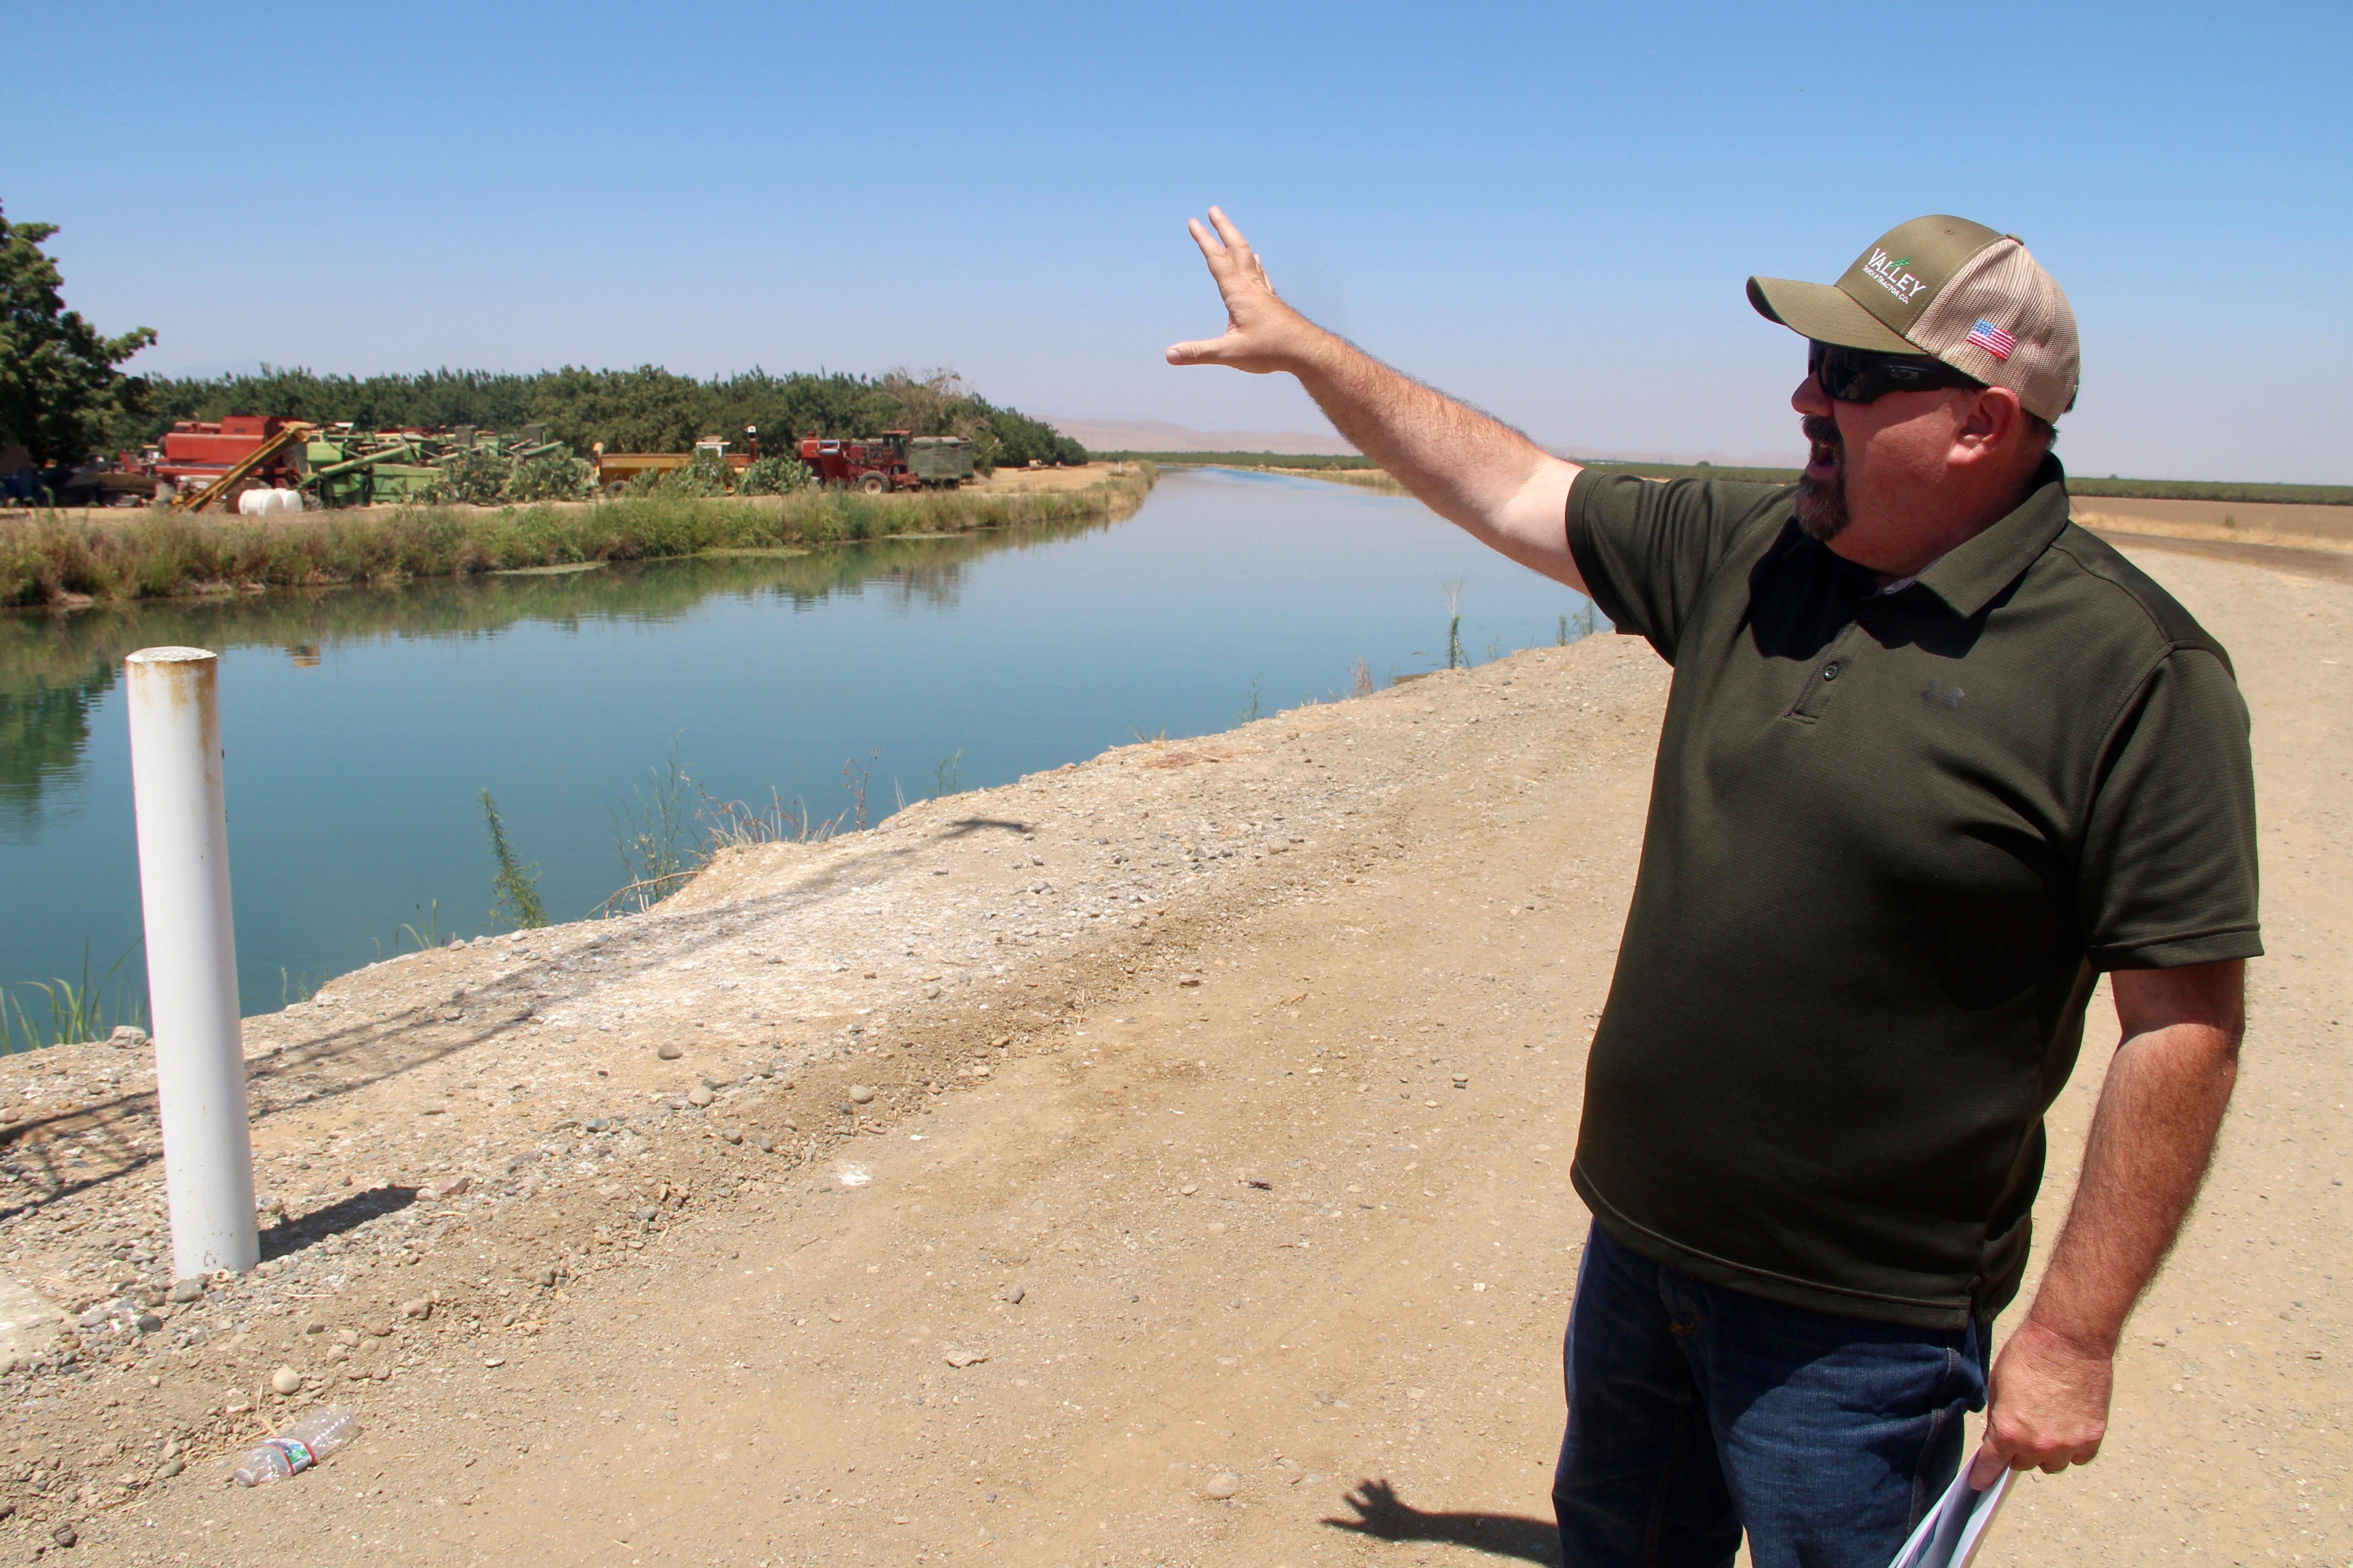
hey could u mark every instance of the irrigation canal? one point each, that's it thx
(361, 726)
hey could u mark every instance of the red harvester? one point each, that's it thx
(201, 452)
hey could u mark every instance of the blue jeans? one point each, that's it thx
(1695, 1412)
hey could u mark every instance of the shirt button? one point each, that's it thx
(1830, 672)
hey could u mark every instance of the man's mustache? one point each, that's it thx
(1820, 429)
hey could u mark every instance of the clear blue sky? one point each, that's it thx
(1549, 210)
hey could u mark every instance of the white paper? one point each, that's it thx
(1950, 1534)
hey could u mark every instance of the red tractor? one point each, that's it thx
(895, 460)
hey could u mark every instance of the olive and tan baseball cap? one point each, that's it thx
(1952, 289)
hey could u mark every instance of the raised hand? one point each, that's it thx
(1466, 467)
(1262, 334)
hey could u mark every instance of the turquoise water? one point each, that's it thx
(360, 727)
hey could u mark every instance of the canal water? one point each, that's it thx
(361, 726)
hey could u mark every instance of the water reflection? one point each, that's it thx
(43, 731)
(55, 668)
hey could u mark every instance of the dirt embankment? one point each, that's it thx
(2307, 527)
(1162, 1159)
(2233, 523)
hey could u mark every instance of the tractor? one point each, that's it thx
(895, 460)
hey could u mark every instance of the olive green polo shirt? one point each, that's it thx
(1892, 839)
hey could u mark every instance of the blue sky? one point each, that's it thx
(1549, 210)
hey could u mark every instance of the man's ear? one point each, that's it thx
(1991, 426)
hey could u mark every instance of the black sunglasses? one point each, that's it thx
(1865, 375)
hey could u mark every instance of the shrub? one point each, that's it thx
(550, 475)
(475, 476)
(773, 476)
(707, 475)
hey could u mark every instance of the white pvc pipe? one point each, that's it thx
(176, 793)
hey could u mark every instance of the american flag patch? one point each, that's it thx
(1992, 339)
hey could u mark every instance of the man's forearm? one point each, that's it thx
(1468, 466)
(2150, 1141)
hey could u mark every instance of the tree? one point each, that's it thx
(59, 391)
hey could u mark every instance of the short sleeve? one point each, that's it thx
(2168, 874)
(1646, 549)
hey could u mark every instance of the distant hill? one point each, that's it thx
(1686, 459)
(1159, 436)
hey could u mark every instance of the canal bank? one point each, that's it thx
(1271, 1186)
(66, 559)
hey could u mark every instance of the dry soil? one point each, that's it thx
(1159, 1161)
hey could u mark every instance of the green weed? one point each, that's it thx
(426, 933)
(76, 1012)
(517, 884)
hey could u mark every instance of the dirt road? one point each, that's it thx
(1165, 1163)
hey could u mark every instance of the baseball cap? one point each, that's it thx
(1950, 289)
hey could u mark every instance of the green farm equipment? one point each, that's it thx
(348, 467)
(359, 469)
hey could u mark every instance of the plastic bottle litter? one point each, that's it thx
(298, 1446)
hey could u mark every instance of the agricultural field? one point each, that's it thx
(2078, 484)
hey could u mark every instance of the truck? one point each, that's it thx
(895, 460)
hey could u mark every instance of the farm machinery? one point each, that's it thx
(615, 470)
(202, 461)
(198, 463)
(895, 460)
(240, 461)
(361, 468)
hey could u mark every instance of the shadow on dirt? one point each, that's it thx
(1386, 1517)
(292, 1236)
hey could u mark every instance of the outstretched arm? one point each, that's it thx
(1469, 469)
(2151, 1139)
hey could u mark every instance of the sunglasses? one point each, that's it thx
(1865, 375)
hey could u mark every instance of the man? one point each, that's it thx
(1932, 759)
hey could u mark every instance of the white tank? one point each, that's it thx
(253, 503)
